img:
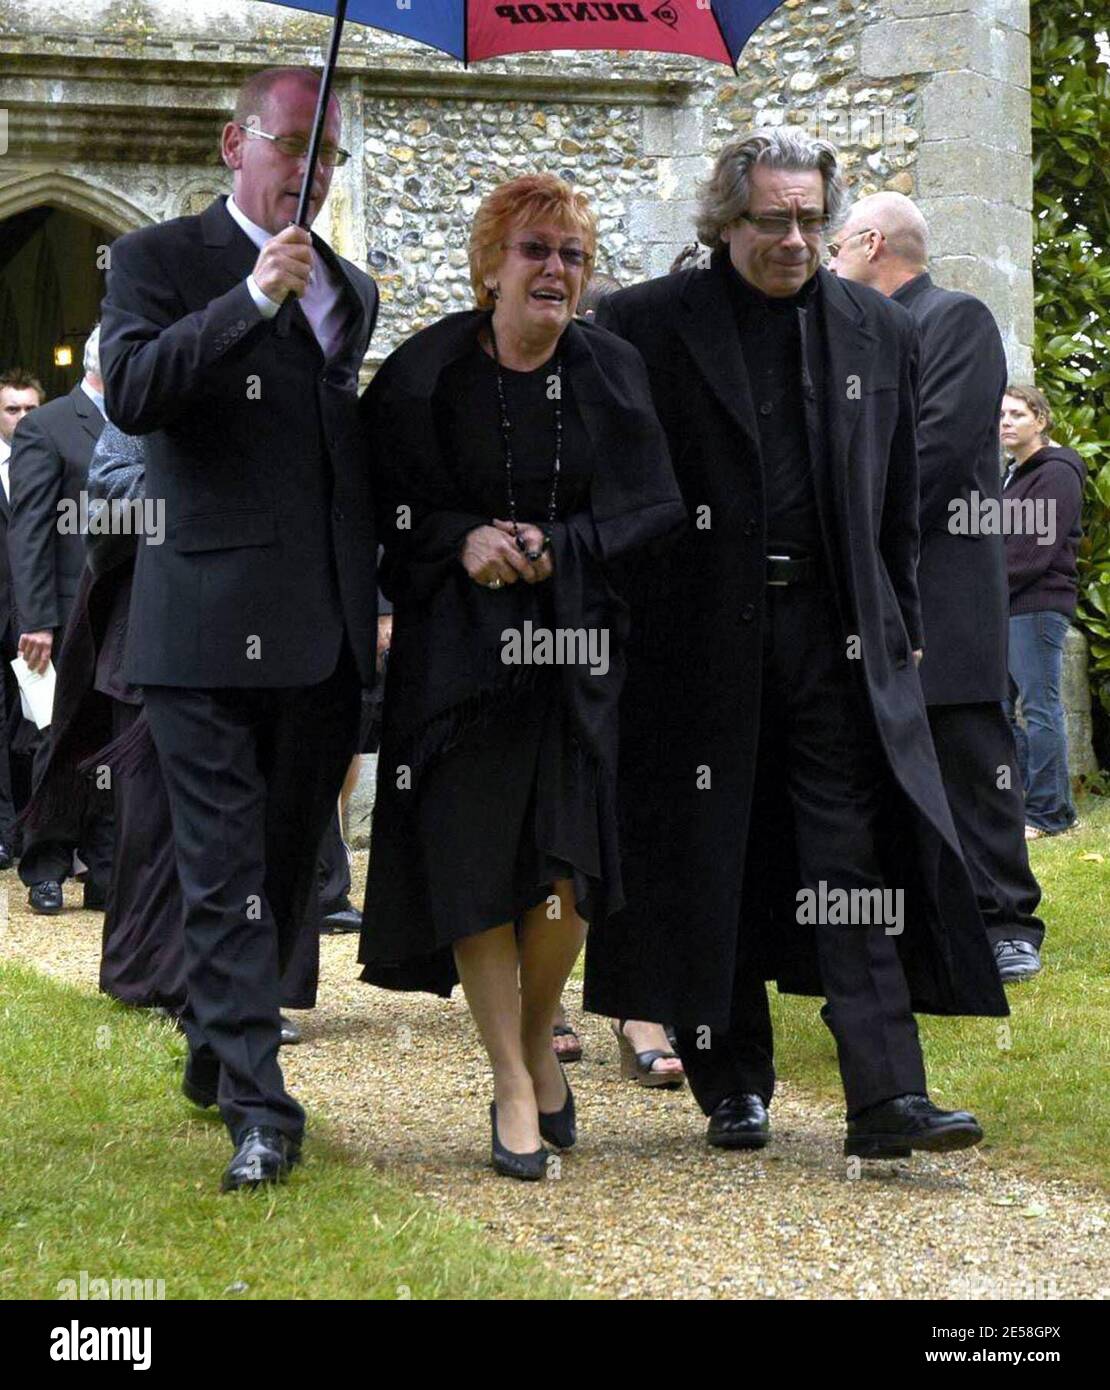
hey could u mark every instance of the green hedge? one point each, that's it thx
(1071, 268)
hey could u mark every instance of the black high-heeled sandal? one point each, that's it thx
(560, 1127)
(527, 1167)
(640, 1066)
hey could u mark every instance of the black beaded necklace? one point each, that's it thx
(506, 435)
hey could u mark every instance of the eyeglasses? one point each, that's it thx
(573, 256)
(835, 246)
(780, 227)
(296, 147)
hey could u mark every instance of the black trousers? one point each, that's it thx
(333, 868)
(252, 777)
(818, 742)
(48, 851)
(976, 752)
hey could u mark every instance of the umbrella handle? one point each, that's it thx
(320, 119)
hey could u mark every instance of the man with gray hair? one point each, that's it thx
(51, 451)
(780, 635)
(962, 572)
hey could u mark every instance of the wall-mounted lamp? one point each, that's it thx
(63, 356)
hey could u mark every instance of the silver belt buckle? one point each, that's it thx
(778, 583)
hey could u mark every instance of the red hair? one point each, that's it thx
(529, 199)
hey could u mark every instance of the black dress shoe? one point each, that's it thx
(739, 1122)
(7, 858)
(896, 1127)
(200, 1081)
(264, 1155)
(94, 898)
(560, 1127)
(46, 897)
(340, 918)
(528, 1167)
(1016, 960)
(290, 1033)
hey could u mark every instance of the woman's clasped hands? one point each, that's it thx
(491, 557)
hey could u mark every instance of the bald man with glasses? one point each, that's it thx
(883, 243)
(253, 627)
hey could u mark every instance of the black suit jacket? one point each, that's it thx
(962, 578)
(253, 444)
(51, 451)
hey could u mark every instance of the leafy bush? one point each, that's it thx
(1071, 268)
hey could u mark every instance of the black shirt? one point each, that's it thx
(468, 418)
(771, 341)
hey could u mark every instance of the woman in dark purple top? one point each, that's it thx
(1043, 497)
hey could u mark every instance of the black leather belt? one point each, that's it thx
(790, 569)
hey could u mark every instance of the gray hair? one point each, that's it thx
(91, 362)
(726, 193)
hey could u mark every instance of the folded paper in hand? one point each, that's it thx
(36, 692)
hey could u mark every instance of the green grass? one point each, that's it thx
(105, 1168)
(1038, 1080)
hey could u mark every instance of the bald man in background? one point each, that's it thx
(962, 577)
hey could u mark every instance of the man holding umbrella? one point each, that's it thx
(253, 626)
(789, 821)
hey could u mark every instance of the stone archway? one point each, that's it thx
(54, 236)
(91, 201)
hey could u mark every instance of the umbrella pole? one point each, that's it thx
(321, 112)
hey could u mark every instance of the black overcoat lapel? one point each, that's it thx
(708, 328)
(852, 372)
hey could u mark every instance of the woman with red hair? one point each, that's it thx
(517, 457)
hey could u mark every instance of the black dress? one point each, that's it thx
(514, 804)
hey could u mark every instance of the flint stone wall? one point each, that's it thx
(114, 109)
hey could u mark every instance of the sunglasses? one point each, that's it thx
(539, 251)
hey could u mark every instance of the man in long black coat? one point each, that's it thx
(965, 602)
(51, 452)
(776, 765)
(252, 627)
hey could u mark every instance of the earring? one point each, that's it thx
(494, 290)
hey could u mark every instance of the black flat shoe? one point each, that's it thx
(897, 1127)
(527, 1167)
(739, 1122)
(339, 918)
(290, 1033)
(1016, 960)
(200, 1081)
(7, 858)
(46, 898)
(264, 1155)
(560, 1127)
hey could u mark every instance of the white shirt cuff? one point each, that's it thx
(264, 304)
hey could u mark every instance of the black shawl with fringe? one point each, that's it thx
(445, 668)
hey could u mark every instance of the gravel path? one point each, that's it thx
(642, 1208)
